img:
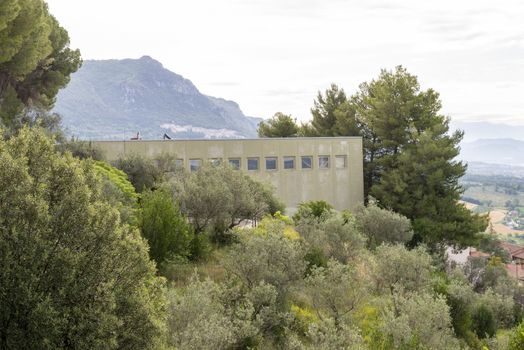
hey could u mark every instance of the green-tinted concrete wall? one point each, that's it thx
(341, 187)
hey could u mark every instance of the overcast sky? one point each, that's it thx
(274, 55)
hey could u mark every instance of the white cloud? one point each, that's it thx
(469, 51)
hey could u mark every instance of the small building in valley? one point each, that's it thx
(300, 169)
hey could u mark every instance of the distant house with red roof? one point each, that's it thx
(516, 252)
(516, 271)
(516, 267)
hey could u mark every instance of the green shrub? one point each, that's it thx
(315, 258)
(164, 227)
(516, 341)
(318, 210)
(483, 322)
(199, 247)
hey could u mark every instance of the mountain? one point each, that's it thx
(495, 151)
(484, 130)
(487, 169)
(113, 99)
(492, 146)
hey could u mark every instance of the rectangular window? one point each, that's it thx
(307, 162)
(271, 163)
(234, 163)
(341, 162)
(195, 164)
(252, 164)
(289, 162)
(215, 161)
(179, 163)
(323, 162)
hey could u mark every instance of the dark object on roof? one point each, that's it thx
(166, 137)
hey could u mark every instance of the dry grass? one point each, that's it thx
(180, 273)
(496, 216)
(468, 205)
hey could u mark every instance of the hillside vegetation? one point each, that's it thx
(139, 254)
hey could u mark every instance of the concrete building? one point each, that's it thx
(300, 169)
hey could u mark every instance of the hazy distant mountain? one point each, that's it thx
(488, 169)
(112, 98)
(485, 130)
(496, 151)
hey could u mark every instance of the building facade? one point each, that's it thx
(300, 169)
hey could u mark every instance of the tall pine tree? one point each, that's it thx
(409, 156)
(35, 59)
(333, 115)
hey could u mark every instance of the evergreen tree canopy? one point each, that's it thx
(409, 157)
(35, 58)
(280, 125)
(423, 186)
(333, 115)
(393, 113)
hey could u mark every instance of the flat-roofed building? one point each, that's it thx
(300, 169)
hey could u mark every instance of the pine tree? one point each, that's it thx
(332, 115)
(409, 156)
(423, 186)
(280, 125)
(35, 58)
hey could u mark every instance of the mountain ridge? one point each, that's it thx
(475, 130)
(113, 99)
(495, 151)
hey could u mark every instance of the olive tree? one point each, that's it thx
(418, 321)
(217, 199)
(337, 290)
(199, 319)
(334, 237)
(146, 173)
(325, 335)
(382, 226)
(271, 258)
(398, 267)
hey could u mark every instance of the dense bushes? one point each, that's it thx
(323, 280)
(329, 290)
(166, 230)
(72, 275)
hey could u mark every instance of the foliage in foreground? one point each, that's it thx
(349, 294)
(67, 260)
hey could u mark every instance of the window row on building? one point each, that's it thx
(272, 163)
